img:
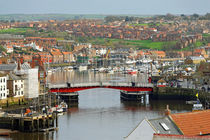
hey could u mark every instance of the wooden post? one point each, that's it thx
(32, 125)
(43, 122)
(38, 124)
(12, 126)
(56, 119)
(22, 124)
(48, 121)
(19, 125)
(7, 103)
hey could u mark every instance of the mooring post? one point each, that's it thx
(38, 124)
(43, 122)
(7, 103)
(12, 125)
(56, 119)
(48, 121)
(32, 124)
(22, 125)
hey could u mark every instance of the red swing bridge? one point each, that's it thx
(74, 87)
(128, 90)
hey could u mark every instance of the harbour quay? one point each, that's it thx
(33, 123)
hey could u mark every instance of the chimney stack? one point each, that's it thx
(167, 111)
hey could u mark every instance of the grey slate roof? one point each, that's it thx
(14, 77)
(172, 127)
(8, 67)
(25, 66)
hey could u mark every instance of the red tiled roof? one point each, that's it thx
(67, 52)
(193, 123)
(180, 136)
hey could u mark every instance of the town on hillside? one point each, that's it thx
(45, 63)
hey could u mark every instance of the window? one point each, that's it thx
(4, 79)
(22, 92)
(21, 85)
(4, 94)
(16, 87)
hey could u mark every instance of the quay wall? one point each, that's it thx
(12, 100)
(179, 93)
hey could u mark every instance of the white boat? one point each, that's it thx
(111, 71)
(197, 107)
(59, 110)
(82, 67)
(130, 62)
(49, 71)
(64, 106)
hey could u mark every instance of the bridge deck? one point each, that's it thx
(73, 87)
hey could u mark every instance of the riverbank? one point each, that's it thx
(180, 93)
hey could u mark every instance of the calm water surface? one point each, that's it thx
(100, 115)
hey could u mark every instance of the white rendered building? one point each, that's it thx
(3, 86)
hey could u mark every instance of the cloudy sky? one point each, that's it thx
(140, 7)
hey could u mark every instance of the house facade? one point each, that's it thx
(3, 86)
(15, 85)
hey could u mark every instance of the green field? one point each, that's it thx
(206, 35)
(140, 44)
(14, 30)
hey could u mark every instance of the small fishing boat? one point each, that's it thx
(197, 106)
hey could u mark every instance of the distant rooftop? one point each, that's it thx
(8, 67)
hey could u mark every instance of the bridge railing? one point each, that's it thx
(89, 84)
(101, 84)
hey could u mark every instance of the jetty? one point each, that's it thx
(33, 123)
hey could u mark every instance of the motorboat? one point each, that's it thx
(197, 106)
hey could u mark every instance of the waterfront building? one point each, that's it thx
(46, 57)
(57, 56)
(194, 60)
(31, 83)
(31, 80)
(68, 57)
(3, 86)
(15, 85)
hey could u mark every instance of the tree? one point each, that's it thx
(169, 16)
(195, 16)
(2, 49)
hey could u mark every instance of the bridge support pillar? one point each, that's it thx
(143, 97)
(70, 98)
(147, 99)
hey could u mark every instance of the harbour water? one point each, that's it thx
(100, 113)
